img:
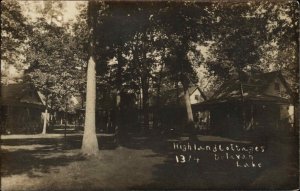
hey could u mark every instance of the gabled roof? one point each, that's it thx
(20, 95)
(250, 88)
(170, 96)
(42, 97)
(191, 91)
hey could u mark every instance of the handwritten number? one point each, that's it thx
(180, 159)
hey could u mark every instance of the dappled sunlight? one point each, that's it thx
(155, 95)
(59, 165)
(22, 147)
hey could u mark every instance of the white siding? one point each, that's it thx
(193, 96)
(271, 90)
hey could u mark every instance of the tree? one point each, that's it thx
(130, 34)
(252, 37)
(238, 34)
(145, 54)
(53, 66)
(125, 36)
(184, 23)
(281, 50)
(89, 141)
(14, 31)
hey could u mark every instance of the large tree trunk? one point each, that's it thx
(90, 142)
(190, 118)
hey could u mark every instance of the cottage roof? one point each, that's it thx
(170, 96)
(250, 88)
(20, 95)
(192, 90)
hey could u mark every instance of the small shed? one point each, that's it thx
(21, 109)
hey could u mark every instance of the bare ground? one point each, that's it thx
(49, 162)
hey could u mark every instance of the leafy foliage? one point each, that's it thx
(14, 31)
(56, 69)
(145, 47)
(252, 37)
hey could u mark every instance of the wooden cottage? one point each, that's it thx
(173, 111)
(175, 97)
(21, 109)
(260, 103)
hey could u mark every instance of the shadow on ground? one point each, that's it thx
(201, 170)
(38, 155)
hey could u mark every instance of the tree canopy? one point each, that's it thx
(149, 47)
(14, 32)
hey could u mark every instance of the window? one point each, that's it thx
(197, 97)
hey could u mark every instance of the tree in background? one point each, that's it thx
(184, 23)
(142, 48)
(53, 63)
(14, 32)
(238, 33)
(125, 51)
(253, 37)
(129, 34)
(282, 48)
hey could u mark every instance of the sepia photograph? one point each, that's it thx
(149, 95)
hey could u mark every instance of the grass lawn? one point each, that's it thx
(49, 162)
